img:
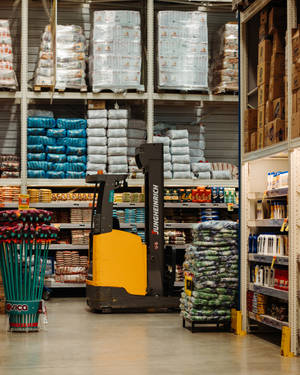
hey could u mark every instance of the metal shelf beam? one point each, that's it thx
(268, 291)
(265, 223)
(266, 152)
(261, 258)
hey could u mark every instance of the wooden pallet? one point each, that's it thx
(50, 88)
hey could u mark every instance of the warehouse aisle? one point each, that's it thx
(78, 342)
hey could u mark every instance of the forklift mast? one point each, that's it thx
(149, 157)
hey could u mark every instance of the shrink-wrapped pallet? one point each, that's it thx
(7, 74)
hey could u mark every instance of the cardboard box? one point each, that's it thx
(295, 78)
(253, 141)
(295, 44)
(295, 131)
(263, 74)
(279, 126)
(260, 138)
(250, 120)
(279, 108)
(246, 142)
(276, 88)
(261, 117)
(263, 32)
(262, 95)
(278, 42)
(277, 67)
(276, 19)
(96, 104)
(263, 16)
(269, 135)
(264, 51)
(269, 111)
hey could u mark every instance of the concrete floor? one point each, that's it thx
(78, 342)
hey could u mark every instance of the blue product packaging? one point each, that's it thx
(41, 139)
(250, 243)
(215, 195)
(36, 174)
(75, 167)
(70, 174)
(36, 131)
(57, 133)
(221, 194)
(57, 158)
(61, 167)
(254, 243)
(76, 142)
(40, 165)
(36, 157)
(41, 122)
(76, 159)
(76, 133)
(55, 149)
(79, 151)
(69, 124)
(55, 174)
(35, 148)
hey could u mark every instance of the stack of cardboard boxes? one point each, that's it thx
(295, 130)
(270, 113)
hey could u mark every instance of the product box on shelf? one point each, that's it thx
(276, 19)
(279, 108)
(247, 139)
(295, 78)
(295, 131)
(276, 88)
(264, 51)
(261, 117)
(274, 132)
(253, 141)
(263, 17)
(269, 136)
(269, 111)
(295, 44)
(277, 66)
(260, 138)
(263, 32)
(278, 42)
(263, 92)
(250, 119)
(96, 104)
(263, 73)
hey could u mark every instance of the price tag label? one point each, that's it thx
(273, 262)
(56, 226)
(23, 202)
(229, 206)
(91, 204)
(188, 284)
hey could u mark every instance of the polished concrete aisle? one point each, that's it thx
(78, 342)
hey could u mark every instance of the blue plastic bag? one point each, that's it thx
(60, 167)
(70, 174)
(41, 139)
(76, 142)
(79, 151)
(75, 167)
(35, 148)
(36, 174)
(74, 123)
(55, 149)
(57, 158)
(41, 165)
(76, 159)
(36, 131)
(76, 133)
(57, 133)
(40, 122)
(36, 157)
(55, 174)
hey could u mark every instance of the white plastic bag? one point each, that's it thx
(96, 141)
(118, 124)
(116, 133)
(97, 113)
(97, 150)
(117, 142)
(97, 159)
(97, 123)
(99, 132)
(117, 151)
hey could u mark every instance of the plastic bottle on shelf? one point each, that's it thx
(221, 195)
(250, 243)
(254, 243)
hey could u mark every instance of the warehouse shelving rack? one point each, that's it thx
(254, 168)
(25, 97)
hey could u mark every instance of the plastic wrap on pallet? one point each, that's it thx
(97, 123)
(39, 165)
(41, 122)
(40, 139)
(55, 174)
(94, 167)
(212, 263)
(224, 68)
(97, 114)
(96, 141)
(36, 131)
(79, 151)
(72, 174)
(76, 159)
(41, 156)
(76, 133)
(97, 159)
(67, 123)
(55, 149)
(76, 142)
(182, 50)
(70, 59)
(56, 158)
(35, 148)
(118, 123)
(57, 133)
(97, 150)
(36, 173)
(115, 51)
(8, 77)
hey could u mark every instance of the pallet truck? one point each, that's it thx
(124, 273)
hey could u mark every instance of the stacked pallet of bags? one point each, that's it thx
(212, 260)
(97, 141)
(167, 154)
(117, 142)
(7, 74)
(70, 59)
(136, 137)
(115, 51)
(182, 50)
(56, 149)
(180, 153)
(225, 59)
(200, 169)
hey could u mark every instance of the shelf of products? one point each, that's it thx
(268, 291)
(197, 205)
(268, 320)
(64, 246)
(274, 223)
(268, 259)
(54, 284)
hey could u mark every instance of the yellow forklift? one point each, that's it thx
(124, 273)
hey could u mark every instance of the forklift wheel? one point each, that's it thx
(106, 310)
